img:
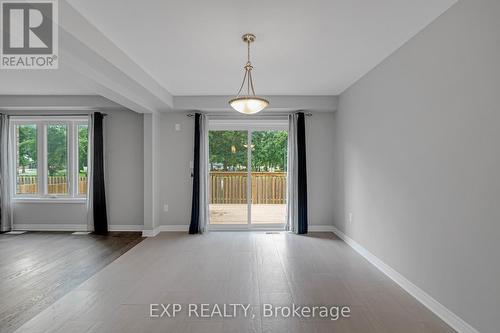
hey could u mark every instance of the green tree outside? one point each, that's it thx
(57, 155)
(57, 149)
(83, 144)
(269, 151)
(228, 150)
(28, 158)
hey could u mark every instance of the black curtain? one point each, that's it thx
(195, 204)
(302, 174)
(98, 190)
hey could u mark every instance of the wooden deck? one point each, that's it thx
(237, 213)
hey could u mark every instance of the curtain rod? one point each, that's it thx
(309, 114)
(52, 115)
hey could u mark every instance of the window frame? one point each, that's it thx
(42, 124)
(76, 137)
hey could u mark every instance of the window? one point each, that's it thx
(27, 159)
(57, 159)
(83, 146)
(51, 157)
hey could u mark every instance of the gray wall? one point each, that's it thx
(176, 152)
(124, 167)
(67, 216)
(124, 183)
(418, 161)
(320, 166)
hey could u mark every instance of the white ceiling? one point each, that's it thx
(315, 47)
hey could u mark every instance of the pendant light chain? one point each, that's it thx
(247, 68)
(248, 51)
(248, 75)
(250, 67)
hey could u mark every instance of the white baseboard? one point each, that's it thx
(73, 227)
(437, 308)
(125, 227)
(134, 227)
(320, 228)
(185, 227)
(112, 227)
(50, 227)
(165, 228)
(172, 228)
(150, 233)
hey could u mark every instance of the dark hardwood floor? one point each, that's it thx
(38, 268)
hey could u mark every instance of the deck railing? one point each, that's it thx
(225, 187)
(55, 184)
(231, 187)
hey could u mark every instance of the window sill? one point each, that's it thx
(50, 200)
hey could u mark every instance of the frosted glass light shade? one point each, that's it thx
(248, 104)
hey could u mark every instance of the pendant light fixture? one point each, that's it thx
(248, 103)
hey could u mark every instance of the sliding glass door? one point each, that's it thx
(228, 177)
(268, 177)
(247, 177)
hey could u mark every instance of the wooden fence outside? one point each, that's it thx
(56, 184)
(231, 187)
(224, 187)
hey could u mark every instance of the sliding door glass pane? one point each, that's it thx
(57, 159)
(26, 159)
(82, 158)
(269, 161)
(228, 177)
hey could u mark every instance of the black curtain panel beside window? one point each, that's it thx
(98, 188)
(302, 175)
(194, 226)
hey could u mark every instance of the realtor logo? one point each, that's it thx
(29, 35)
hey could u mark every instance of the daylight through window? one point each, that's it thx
(51, 157)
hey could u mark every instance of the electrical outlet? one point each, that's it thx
(350, 217)
(177, 127)
(165, 208)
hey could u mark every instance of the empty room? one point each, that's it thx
(249, 166)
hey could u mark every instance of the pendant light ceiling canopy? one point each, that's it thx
(248, 103)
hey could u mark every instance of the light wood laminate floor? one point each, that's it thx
(236, 267)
